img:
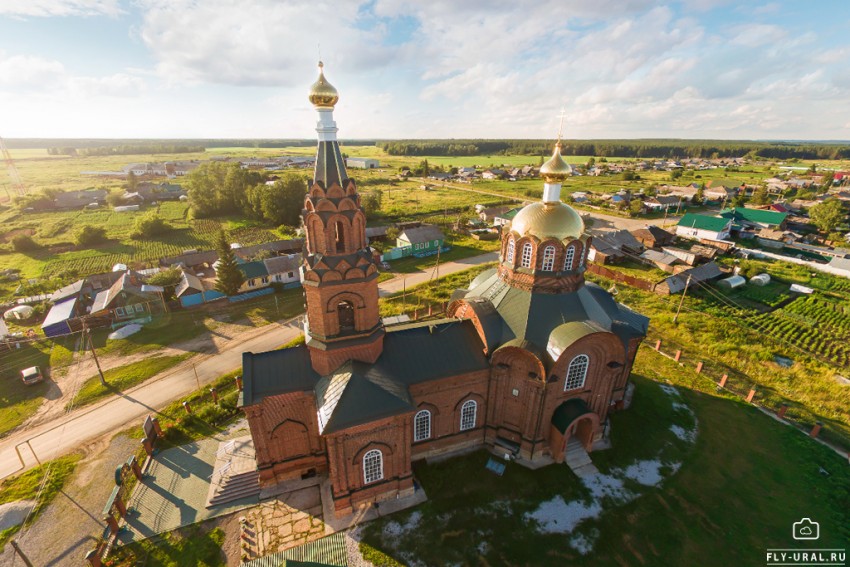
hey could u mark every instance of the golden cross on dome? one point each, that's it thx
(561, 126)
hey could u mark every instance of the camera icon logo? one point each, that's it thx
(806, 529)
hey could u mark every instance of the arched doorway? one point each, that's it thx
(573, 421)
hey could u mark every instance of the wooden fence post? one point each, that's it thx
(723, 380)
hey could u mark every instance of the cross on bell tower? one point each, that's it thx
(339, 272)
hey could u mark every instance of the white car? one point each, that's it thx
(31, 375)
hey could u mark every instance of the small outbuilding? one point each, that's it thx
(732, 282)
(760, 279)
(18, 313)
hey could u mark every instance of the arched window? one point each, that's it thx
(511, 248)
(467, 414)
(548, 258)
(373, 466)
(339, 236)
(525, 261)
(568, 259)
(422, 425)
(577, 372)
(345, 312)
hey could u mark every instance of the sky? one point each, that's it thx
(426, 69)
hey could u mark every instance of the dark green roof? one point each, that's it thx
(276, 372)
(532, 317)
(568, 412)
(254, 269)
(351, 396)
(564, 335)
(703, 222)
(758, 216)
(412, 354)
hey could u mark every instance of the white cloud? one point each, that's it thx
(255, 42)
(47, 8)
(25, 72)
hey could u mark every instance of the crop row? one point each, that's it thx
(821, 311)
(826, 343)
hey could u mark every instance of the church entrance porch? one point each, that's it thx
(574, 425)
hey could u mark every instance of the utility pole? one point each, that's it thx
(198, 380)
(87, 335)
(21, 553)
(687, 283)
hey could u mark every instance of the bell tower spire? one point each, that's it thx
(339, 272)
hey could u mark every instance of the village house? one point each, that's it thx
(755, 217)
(425, 238)
(653, 236)
(610, 247)
(80, 199)
(699, 227)
(129, 299)
(529, 361)
(661, 260)
(677, 283)
(662, 203)
(283, 269)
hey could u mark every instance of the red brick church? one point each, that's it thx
(529, 358)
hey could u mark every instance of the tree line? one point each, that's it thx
(621, 148)
(125, 150)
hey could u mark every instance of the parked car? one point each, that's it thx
(31, 375)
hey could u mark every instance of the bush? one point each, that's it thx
(88, 235)
(150, 225)
(166, 278)
(24, 243)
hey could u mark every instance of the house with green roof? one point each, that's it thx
(756, 217)
(703, 227)
(256, 275)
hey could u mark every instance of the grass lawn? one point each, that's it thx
(433, 292)
(123, 377)
(26, 486)
(197, 544)
(17, 400)
(739, 489)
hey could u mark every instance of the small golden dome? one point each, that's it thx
(556, 169)
(322, 93)
(548, 220)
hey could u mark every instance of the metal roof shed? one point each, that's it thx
(56, 322)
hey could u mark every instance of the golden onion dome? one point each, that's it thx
(548, 220)
(556, 169)
(322, 93)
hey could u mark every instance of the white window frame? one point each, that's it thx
(422, 425)
(251, 283)
(468, 415)
(511, 250)
(549, 258)
(577, 373)
(527, 253)
(265, 279)
(119, 311)
(373, 466)
(570, 258)
(139, 308)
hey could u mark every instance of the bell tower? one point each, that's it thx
(339, 272)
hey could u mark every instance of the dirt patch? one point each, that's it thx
(8, 236)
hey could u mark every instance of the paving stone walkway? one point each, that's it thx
(286, 521)
(174, 491)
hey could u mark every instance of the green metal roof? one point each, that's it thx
(254, 269)
(758, 216)
(328, 551)
(564, 335)
(350, 396)
(568, 412)
(415, 353)
(703, 222)
(533, 317)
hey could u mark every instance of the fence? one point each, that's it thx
(742, 386)
(632, 281)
